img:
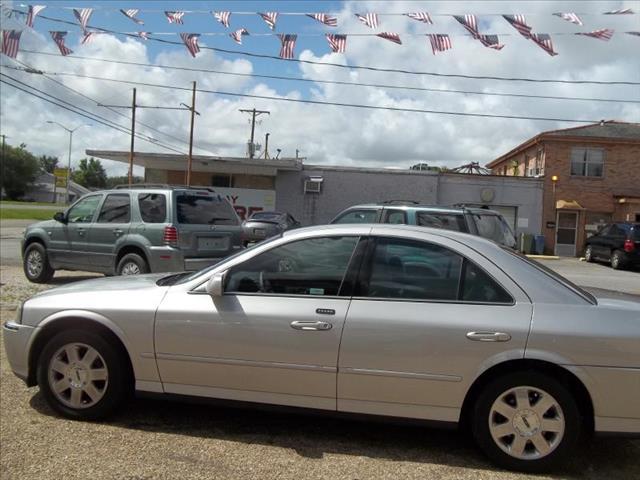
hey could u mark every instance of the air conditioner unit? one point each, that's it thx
(313, 184)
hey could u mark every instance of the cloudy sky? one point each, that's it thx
(323, 134)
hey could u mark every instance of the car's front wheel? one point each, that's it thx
(36, 264)
(526, 421)
(82, 375)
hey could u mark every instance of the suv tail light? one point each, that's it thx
(629, 246)
(170, 236)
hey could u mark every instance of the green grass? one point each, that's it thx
(26, 214)
(42, 204)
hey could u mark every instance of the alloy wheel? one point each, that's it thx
(78, 375)
(130, 268)
(35, 263)
(526, 422)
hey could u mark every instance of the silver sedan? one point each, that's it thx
(367, 319)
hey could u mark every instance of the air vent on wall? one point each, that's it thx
(313, 184)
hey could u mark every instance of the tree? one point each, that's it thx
(18, 170)
(90, 173)
(427, 168)
(48, 164)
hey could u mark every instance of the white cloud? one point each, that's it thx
(337, 135)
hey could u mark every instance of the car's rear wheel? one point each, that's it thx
(132, 264)
(36, 264)
(81, 375)
(588, 254)
(617, 260)
(526, 421)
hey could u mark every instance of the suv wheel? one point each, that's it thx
(132, 264)
(617, 260)
(526, 421)
(36, 264)
(81, 375)
(588, 254)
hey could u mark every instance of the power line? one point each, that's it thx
(331, 82)
(80, 111)
(337, 104)
(354, 67)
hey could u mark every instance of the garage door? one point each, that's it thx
(509, 213)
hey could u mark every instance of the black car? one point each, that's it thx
(262, 225)
(618, 243)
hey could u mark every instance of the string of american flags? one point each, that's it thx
(337, 42)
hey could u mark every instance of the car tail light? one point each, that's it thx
(170, 236)
(629, 246)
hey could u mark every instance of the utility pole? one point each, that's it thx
(3, 140)
(70, 131)
(266, 146)
(254, 113)
(193, 117)
(133, 136)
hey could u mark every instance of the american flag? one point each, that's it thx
(543, 40)
(270, 18)
(11, 42)
(328, 20)
(288, 44)
(131, 14)
(520, 24)
(470, 23)
(622, 11)
(88, 37)
(223, 17)
(237, 35)
(58, 38)
(637, 34)
(191, 42)
(338, 43)
(144, 35)
(393, 37)
(83, 16)
(32, 12)
(491, 41)
(174, 17)
(602, 34)
(423, 17)
(439, 42)
(369, 19)
(569, 17)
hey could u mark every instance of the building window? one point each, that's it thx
(221, 180)
(587, 162)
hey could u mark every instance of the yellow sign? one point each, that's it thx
(61, 177)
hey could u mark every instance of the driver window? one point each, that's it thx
(84, 210)
(314, 266)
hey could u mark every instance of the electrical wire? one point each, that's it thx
(337, 104)
(353, 67)
(331, 82)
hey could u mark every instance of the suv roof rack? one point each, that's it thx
(126, 186)
(400, 202)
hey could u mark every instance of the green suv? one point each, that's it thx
(476, 221)
(129, 231)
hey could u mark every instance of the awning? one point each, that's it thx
(568, 205)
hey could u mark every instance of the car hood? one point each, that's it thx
(43, 224)
(614, 298)
(127, 283)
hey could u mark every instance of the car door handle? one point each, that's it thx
(489, 336)
(80, 232)
(298, 325)
(117, 232)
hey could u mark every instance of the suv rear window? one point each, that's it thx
(204, 208)
(447, 221)
(153, 207)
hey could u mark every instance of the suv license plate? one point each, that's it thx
(213, 243)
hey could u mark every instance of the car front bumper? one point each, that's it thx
(17, 339)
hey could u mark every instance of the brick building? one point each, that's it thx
(591, 175)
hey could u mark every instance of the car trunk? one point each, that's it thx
(207, 224)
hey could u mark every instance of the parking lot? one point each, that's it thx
(170, 439)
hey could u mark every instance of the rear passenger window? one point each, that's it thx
(397, 217)
(116, 209)
(477, 286)
(358, 216)
(446, 221)
(153, 207)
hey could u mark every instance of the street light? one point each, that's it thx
(70, 130)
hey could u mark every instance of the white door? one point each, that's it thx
(566, 233)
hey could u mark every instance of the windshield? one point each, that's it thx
(204, 208)
(495, 228)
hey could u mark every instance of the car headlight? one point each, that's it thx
(19, 313)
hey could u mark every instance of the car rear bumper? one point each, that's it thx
(17, 338)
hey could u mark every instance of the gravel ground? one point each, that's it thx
(172, 440)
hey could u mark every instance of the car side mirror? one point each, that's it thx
(60, 217)
(215, 285)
